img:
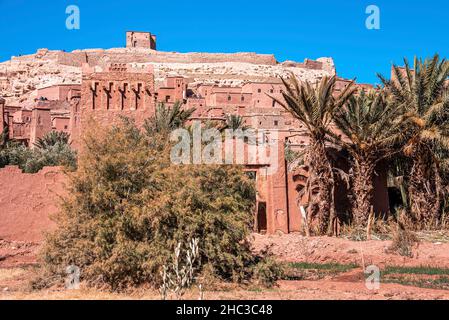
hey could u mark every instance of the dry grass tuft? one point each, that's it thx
(404, 241)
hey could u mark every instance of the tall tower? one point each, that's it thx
(119, 90)
(138, 39)
(40, 123)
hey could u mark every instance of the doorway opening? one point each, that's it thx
(262, 217)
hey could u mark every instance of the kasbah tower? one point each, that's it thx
(68, 91)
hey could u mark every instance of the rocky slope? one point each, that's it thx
(21, 76)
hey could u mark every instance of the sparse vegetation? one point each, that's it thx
(332, 267)
(419, 276)
(404, 241)
(267, 271)
(314, 271)
(428, 270)
(51, 150)
(438, 283)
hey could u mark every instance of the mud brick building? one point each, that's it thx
(100, 86)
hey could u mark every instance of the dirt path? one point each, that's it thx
(17, 253)
(286, 290)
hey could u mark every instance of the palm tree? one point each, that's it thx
(51, 139)
(313, 106)
(422, 91)
(4, 136)
(234, 122)
(166, 119)
(371, 132)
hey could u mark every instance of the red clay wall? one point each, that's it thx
(57, 92)
(27, 201)
(96, 57)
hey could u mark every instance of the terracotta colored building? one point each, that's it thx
(119, 89)
(138, 39)
(50, 112)
(174, 89)
(58, 92)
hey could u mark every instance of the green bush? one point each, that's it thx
(59, 154)
(267, 271)
(128, 207)
(33, 160)
(14, 154)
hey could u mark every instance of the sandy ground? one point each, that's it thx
(294, 247)
(17, 259)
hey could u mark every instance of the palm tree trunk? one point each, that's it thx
(438, 193)
(424, 189)
(322, 179)
(363, 191)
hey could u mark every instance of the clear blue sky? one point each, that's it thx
(290, 29)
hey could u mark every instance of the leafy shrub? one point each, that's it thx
(56, 155)
(128, 207)
(15, 154)
(29, 160)
(267, 271)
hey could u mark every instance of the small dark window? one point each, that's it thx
(271, 90)
(229, 98)
(276, 122)
(274, 103)
(243, 98)
(259, 90)
(65, 127)
(167, 98)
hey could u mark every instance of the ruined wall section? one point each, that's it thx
(143, 55)
(27, 201)
(71, 58)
